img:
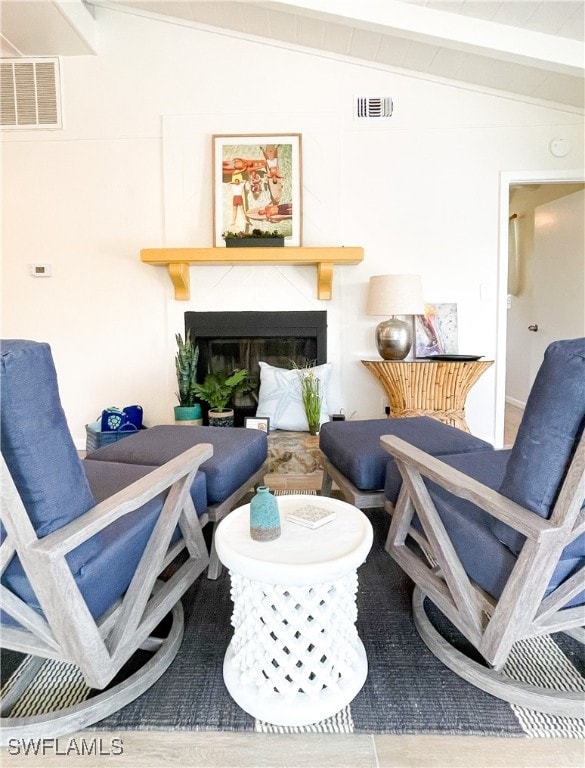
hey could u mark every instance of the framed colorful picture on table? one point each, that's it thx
(257, 187)
(259, 422)
(436, 330)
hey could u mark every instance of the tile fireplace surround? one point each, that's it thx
(294, 461)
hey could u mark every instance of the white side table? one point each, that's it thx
(295, 657)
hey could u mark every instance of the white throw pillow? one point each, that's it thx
(280, 396)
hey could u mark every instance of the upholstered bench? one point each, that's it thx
(354, 459)
(237, 463)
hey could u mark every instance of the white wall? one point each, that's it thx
(132, 169)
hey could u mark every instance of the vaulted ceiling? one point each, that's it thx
(527, 49)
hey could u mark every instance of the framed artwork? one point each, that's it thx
(257, 186)
(259, 422)
(436, 330)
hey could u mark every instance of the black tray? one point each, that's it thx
(452, 357)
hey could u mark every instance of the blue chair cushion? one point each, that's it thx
(36, 442)
(487, 467)
(485, 558)
(104, 565)
(552, 424)
(237, 453)
(108, 477)
(354, 446)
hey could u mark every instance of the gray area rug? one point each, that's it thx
(407, 690)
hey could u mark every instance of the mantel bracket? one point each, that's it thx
(180, 278)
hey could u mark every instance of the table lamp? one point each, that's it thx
(395, 295)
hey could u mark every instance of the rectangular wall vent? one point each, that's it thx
(30, 94)
(373, 106)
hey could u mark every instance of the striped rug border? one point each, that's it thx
(540, 661)
(56, 686)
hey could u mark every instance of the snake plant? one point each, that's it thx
(186, 368)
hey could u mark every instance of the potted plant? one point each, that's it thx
(217, 390)
(312, 397)
(254, 239)
(188, 411)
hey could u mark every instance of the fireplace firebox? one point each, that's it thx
(231, 340)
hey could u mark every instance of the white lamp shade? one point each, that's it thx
(395, 295)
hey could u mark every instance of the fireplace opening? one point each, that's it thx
(231, 340)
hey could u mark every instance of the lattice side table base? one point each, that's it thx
(295, 657)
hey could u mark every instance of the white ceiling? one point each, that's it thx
(530, 49)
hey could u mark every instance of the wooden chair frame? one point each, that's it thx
(352, 494)
(216, 512)
(522, 611)
(66, 630)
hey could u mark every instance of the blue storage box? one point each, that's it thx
(96, 438)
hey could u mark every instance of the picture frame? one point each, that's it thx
(436, 332)
(257, 185)
(258, 422)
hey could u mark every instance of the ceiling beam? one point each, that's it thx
(48, 27)
(487, 38)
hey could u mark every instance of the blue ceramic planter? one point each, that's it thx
(188, 414)
(264, 516)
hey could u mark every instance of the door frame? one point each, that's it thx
(507, 179)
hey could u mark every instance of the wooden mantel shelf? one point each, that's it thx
(178, 261)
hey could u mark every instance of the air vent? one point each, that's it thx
(30, 94)
(373, 107)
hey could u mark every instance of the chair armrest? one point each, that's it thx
(62, 541)
(459, 484)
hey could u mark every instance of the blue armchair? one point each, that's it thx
(496, 539)
(90, 563)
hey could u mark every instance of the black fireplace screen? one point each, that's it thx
(231, 340)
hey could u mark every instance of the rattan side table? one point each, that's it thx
(428, 387)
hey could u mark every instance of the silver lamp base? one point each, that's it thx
(394, 339)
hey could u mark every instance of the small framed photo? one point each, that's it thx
(257, 186)
(258, 422)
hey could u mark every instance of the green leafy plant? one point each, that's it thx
(219, 388)
(312, 396)
(186, 368)
(255, 233)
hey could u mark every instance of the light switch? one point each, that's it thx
(40, 270)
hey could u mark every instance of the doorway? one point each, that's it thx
(542, 277)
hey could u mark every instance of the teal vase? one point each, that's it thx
(264, 516)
